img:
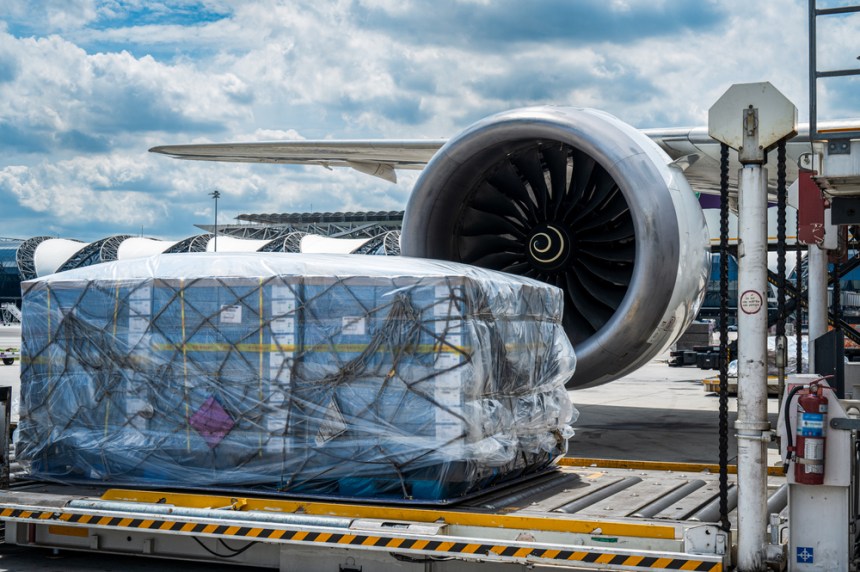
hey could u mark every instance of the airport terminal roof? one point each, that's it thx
(322, 217)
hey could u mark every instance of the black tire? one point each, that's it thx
(8, 361)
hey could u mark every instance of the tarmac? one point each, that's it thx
(658, 413)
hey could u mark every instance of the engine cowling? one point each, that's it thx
(581, 200)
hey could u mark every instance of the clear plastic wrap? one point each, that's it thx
(331, 375)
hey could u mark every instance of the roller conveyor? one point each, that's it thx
(628, 516)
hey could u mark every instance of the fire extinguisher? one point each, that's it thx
(810, 433)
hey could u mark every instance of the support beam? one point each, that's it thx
(752, 425)
(752, 118)
(817, 297)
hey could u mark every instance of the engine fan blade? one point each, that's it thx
(594, 314)
(618, 274)
(612, 209)
(560, 165)
(583, 169)
(517, 268)
(477, 247)
(496, 260)
(490, 200)
(482, 223)
(594, 198)
(625, 252)
(508, 182)
(530, 166)
(608, 293)
(624, 230)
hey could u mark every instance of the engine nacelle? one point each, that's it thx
(581, 200)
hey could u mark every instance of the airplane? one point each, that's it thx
(573, 197)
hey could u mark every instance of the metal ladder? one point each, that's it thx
(815, 74)
(12, 309)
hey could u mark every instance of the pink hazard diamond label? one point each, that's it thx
(212, 422)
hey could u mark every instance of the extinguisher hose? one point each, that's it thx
(787, 420)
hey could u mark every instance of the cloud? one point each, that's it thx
(35, 17)
(86, 86)
(503, 26)
(65, 100)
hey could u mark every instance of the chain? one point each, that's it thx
(780, 239)
(724, 335)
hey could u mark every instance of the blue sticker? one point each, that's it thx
(812, 424)
(805, 554)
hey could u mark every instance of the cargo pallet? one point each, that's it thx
(712, 385)
(587, 514)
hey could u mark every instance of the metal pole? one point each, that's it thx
(753, 428)
(798, 316)
(817, 293)
(216, 195)
(752, 134)
(813, 82)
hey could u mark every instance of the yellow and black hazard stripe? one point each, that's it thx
(451, 548)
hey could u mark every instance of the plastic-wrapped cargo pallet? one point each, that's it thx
(329, 375)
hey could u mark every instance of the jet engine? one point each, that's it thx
(578, 199)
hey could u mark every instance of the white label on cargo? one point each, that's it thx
(141, 294)
(332, 425)
(276, 424)
(447, 360)
(447, 303)
(139, 307)
(283, 293)
(231, 314)
(285, 342)
(448, 327)
(448, 427)
(282, 307)
(442, 308)
(137, 325)
(280, 375)
(449, 381)
(448, 395)
(451, 341)
(353, 326)
(136, 330)
(279, 366)
(136, 410)
(448, 292)
(276, 445)
(283, 325)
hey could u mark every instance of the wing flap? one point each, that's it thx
(379, 158)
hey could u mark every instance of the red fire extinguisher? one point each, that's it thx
(811, 435)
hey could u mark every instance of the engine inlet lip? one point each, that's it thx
(549, 246)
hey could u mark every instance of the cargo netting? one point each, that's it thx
(329, 375)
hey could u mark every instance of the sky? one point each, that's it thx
(87, 86)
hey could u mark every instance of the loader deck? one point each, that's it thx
(587, 514)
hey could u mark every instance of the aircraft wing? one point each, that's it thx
(379, 157)
(690, 147)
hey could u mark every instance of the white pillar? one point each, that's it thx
(817, 292)
(752, 425)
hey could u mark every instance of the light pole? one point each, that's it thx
(216, 194)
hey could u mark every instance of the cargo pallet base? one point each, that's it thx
(631, 516)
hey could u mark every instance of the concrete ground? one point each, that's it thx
(657, 413)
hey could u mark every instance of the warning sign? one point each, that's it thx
(333, 424)
(751, 302)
